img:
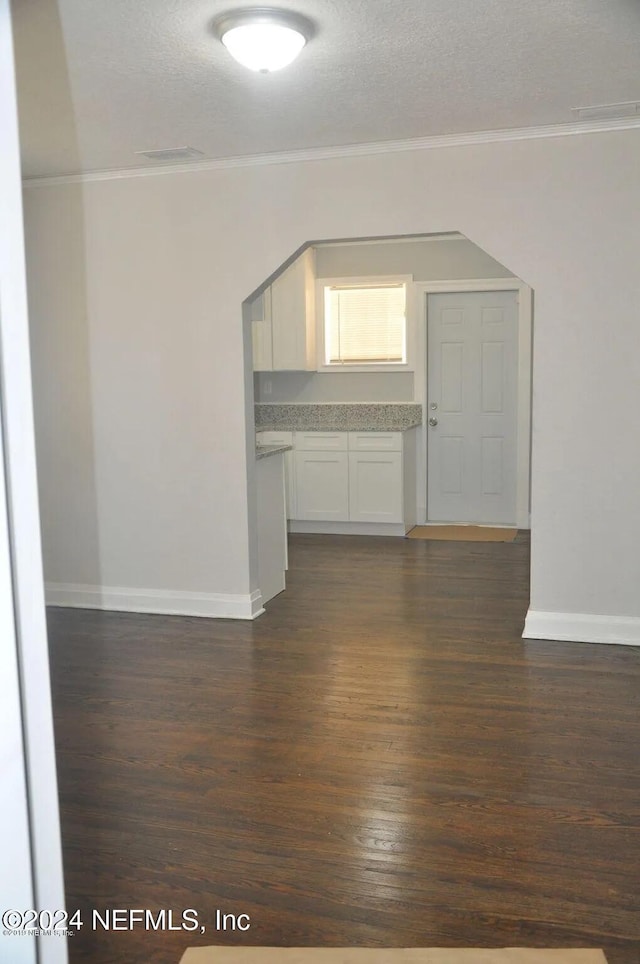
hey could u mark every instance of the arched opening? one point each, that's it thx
(397, 371)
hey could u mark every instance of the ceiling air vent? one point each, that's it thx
(630, 108)
(171, 154)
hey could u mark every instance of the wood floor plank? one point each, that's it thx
(379, 760)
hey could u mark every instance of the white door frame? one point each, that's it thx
(23, 646)
(525, 325)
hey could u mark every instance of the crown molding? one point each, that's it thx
(346, 150)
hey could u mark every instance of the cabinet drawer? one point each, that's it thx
(375, 441)
(275, 438)
(320, 441)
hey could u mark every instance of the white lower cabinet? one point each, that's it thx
(354, 481)
(375, 487)
(322, 486)
(349, 481)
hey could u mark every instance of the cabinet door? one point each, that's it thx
(293, 317)
(375, 487)
(322, 486)
(261, 333)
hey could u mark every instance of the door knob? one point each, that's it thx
(433, 421)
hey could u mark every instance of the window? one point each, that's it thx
(365, 324)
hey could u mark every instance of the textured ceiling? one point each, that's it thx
(100, 79)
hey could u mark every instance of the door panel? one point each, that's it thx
(451, 464)
(452, 355)
(472, 380)
(492, 402)
(492, 465)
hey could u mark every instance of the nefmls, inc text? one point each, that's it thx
(120, 919)
(164, 920)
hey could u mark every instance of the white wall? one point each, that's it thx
(430, 259)
(155, 332)
(334, 387)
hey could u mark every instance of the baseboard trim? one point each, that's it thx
(349, 528)
(582, 628)
(160, 601)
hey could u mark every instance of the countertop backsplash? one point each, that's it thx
(338, 416)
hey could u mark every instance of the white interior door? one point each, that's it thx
(472, 407)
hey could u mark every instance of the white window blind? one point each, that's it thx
(365, 324)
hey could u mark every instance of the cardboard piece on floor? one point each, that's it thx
(378, 955)
(463, 533)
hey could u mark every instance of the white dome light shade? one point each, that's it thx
(263, 46)
(263, 39)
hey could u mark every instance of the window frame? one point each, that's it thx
(366, 281)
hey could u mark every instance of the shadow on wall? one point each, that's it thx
(59, 333)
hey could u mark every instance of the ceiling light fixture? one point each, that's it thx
(263, 39)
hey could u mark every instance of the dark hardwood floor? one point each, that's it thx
(378, 760)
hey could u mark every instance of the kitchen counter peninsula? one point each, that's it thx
(264, 451)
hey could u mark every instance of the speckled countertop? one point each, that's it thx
(338, 417)
(263, 451)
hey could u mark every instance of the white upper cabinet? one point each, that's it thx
(261, 333)
(293, 316)
(283, 320)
